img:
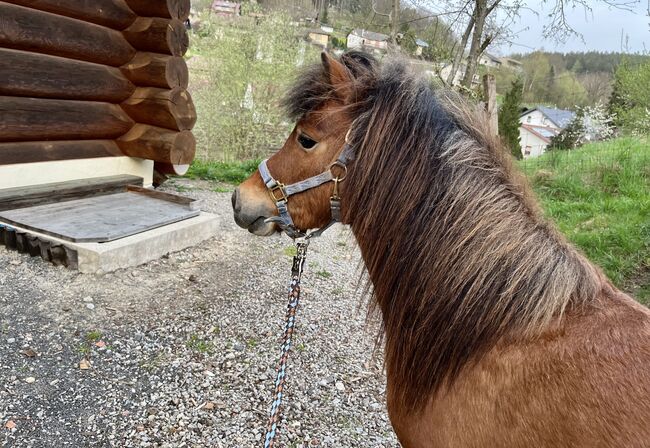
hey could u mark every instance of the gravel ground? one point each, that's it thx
(181, 352)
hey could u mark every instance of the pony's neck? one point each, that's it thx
(458, 257)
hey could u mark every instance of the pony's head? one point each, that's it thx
(320, 104)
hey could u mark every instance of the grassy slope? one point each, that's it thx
(598, 195)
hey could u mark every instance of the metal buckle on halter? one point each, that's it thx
(341, 165)
(278, 187)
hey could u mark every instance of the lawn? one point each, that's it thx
(598, 195)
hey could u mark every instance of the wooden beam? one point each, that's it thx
(30, 152)
(170, 9)
(157, 70)
(490, 97)
(171, 109)
(32, 30)
(30, 119)
(158, 35)
(111, 13)
(158, 144)
(38, 75)
(168, 169)
(13, 198)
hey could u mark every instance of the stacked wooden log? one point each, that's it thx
(95, 78)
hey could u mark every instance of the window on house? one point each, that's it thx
(529, 119)
(527, 150)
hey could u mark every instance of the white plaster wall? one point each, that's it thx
(25, 174)
(354, 41)
(528, 139)
(536, 119)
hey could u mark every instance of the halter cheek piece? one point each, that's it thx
(280, 193)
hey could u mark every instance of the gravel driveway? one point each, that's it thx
(181, 352)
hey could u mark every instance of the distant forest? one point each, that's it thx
(567, 80)
(588, 62)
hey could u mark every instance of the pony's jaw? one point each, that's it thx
(252, 215)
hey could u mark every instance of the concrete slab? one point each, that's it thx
(97, 258)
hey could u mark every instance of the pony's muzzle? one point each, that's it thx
(251, 214)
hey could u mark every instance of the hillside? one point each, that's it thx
(599, 196)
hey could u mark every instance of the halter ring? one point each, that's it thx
(343, 167)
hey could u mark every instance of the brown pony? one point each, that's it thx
(498, 332)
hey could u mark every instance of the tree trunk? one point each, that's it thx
(480, 13)
(461, 51)
(394, 22)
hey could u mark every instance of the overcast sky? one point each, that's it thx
(601, 29)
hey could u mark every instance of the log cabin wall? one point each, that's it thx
(94, 80)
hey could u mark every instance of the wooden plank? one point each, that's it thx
(14, 198)
(42, 32)
(9, 239)
(33, 246)
(29, 119)
(111, 13)
(490, 96)
(30, 152)
(98, 219)
(24, 73)
(191, 204)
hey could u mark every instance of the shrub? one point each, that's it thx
(509, 118)
(240, 69)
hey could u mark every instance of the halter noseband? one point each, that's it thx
(280, 193)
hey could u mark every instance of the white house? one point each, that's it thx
(488, 60)
(367, 40)
(458, 77)
(421, 45)
(538, 126)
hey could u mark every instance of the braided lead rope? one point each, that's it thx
(294, 298)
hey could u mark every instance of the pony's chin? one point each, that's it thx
(260, 227)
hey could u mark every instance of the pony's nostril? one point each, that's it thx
(235, 199)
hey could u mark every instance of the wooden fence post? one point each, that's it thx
(490, 92)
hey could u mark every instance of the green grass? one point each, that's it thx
(197, 344)
(227, 172)
(94, 336)
(599, 196)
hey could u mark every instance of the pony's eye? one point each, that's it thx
(306, 142)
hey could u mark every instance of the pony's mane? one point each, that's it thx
(452, 239)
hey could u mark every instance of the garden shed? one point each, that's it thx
(94, 110)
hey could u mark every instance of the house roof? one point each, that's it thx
(318, 31)
(559, 117)
(494, 58)
(421, 43)
(511, 61)
(370, 35)
(543, 132)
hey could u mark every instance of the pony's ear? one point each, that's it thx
(339, 76)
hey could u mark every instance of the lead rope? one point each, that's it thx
(294, 298)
